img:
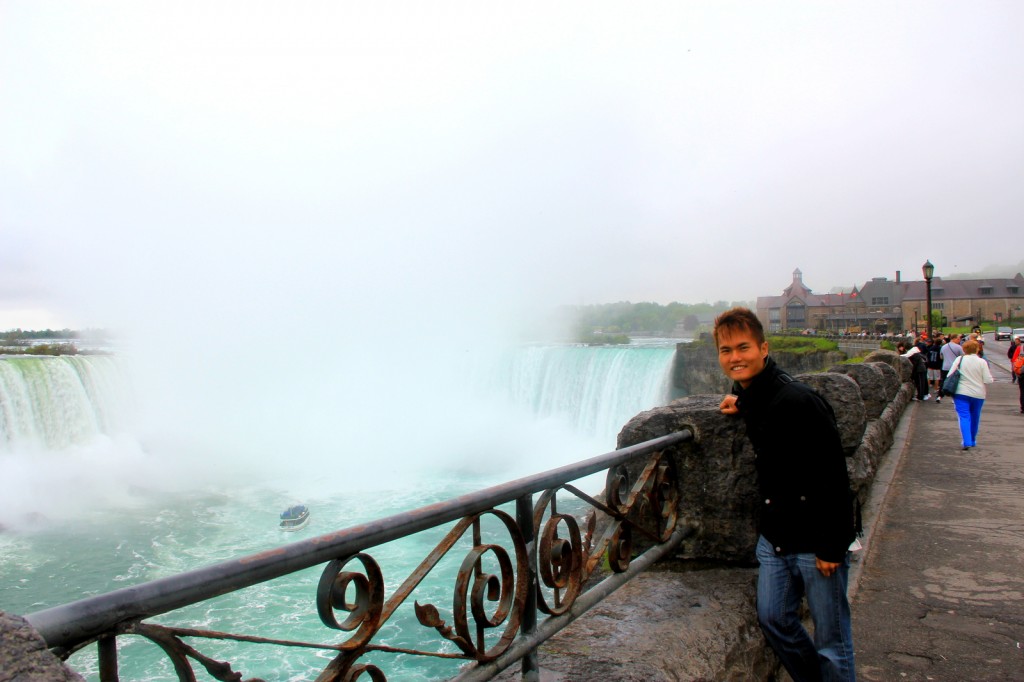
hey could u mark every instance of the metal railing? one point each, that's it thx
(543, 563)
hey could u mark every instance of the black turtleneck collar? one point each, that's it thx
(759, 385)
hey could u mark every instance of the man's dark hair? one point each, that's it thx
(739, 320)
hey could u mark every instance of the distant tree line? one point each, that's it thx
(15, 335)
(25, 342)
(619, 320)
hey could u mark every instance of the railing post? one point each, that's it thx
(530, 669)
(107, 649)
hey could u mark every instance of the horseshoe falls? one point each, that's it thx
(52, 403)
(594, 389)
(92, 498)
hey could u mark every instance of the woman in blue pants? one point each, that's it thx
(970, 392)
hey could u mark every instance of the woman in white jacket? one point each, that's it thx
(971, 391)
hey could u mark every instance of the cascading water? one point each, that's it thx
(51, 403)
(595, 389)
(60, 440)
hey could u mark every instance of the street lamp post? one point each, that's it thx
(929, 271)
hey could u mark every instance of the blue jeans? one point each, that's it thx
(968, 410)
(781, 584)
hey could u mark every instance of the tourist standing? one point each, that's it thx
(919, 372)
(950, 352)
(933, 361)
(806, 519)
(970, 392)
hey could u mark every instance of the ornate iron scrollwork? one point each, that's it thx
(475, 588)
(491, 585)
(367, 607)
(559, 560)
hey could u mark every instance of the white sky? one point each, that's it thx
(233, 165)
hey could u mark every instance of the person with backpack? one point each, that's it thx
(919, 372)
(1017, 368)
(806, 518)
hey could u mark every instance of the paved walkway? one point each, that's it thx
(938, 593)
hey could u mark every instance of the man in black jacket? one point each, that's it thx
(806, 518)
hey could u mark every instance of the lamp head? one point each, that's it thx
(928, 269)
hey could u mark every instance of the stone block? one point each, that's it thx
(24, 656)
(843, 394)
(873, 386)
(666, 624)
(899, 363)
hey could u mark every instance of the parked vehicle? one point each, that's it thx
(1017, 331)
(1003, 333)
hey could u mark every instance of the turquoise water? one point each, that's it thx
(109, 550)
(123, 516)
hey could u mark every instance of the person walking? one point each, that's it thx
(806, 520)
(949, 352)
(969, 396)
(1017, 368)
(1010, 352)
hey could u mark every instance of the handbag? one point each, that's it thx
(952, 380)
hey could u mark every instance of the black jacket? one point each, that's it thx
(918, 363)
(806, 504)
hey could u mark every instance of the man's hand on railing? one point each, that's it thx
(728, 405)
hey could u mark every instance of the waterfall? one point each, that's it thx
(596, 389)
(51, 403)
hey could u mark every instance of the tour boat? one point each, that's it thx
(295, 518)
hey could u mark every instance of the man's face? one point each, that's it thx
(740, 356)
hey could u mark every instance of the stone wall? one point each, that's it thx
(693, 617)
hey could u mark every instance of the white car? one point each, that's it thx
(1018, 332)
(1003, 333)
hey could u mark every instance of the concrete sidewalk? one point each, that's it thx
(938, 592)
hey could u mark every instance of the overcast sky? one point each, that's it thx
(167, 164)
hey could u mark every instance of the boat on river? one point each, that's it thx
(295, 517)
